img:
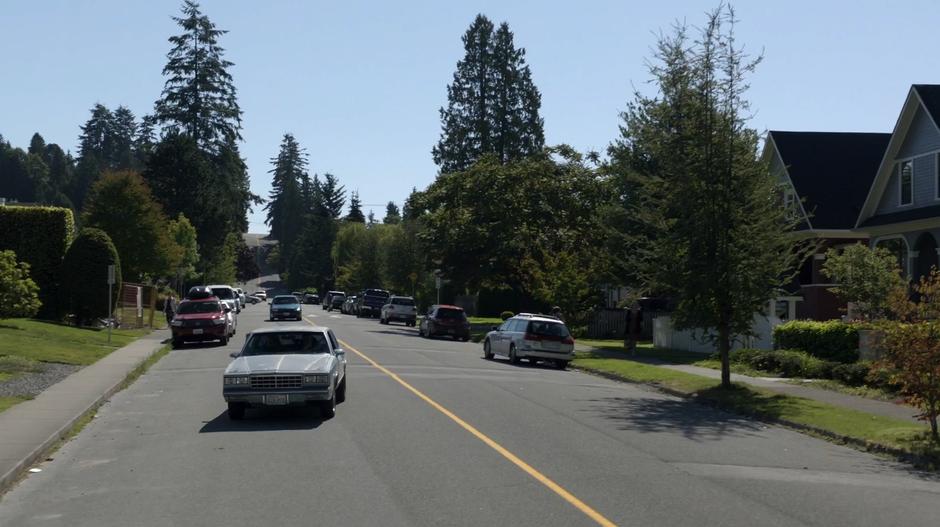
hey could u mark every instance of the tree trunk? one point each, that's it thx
(724, 349)
(933, 428)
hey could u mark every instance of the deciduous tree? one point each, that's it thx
(19, 294)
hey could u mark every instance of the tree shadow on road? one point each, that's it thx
(266, 419)
(692, 420)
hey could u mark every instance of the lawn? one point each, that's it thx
(875, 429)
(34, 340)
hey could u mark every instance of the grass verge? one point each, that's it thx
(35, 340)
(901, 439)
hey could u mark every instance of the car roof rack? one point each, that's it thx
(537, 315)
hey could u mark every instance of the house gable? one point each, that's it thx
(916, 137)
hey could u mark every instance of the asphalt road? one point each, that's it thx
(433, 434)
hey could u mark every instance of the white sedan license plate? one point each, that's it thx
(276, 399)
(197, 332)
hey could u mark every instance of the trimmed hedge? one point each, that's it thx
(833, 340)
(85, 276)
(39, 236)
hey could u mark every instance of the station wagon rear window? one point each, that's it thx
(548, 329)
(451, 314)
(288, 342)
(403, 301)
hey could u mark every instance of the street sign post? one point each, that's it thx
(110, 307)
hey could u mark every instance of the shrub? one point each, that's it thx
(506, 315)
(742, 356)
(85, 276)
(833, 340)
(851, 374)
(39, 236)
(18, 292)
(786, 363)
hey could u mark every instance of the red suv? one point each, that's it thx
(201, 320)
(445, 320)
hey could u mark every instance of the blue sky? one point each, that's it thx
(360, 83)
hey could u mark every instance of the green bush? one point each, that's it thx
(786, 363)
(39, 236)
(832, 340)
(85, 275)
(18, 292)
(506, 315)
(851, 374)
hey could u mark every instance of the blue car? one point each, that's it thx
(285, 306)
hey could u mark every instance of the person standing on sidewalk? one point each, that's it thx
(169, 308)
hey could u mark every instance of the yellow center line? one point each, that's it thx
(528, 469)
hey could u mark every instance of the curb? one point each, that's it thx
(12, 476)
(918, 460)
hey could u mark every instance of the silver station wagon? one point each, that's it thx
(286, 366)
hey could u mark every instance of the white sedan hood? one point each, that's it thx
(290, 363)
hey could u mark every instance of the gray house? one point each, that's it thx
(902, 209)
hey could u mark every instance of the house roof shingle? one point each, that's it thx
(832, 171)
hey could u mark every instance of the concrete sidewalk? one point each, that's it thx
(779, 385)
(30, 428)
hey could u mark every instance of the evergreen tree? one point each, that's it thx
(370, 218)
(122, 156)
(37, 145)
(712, 231)
(355, 209)
(97, 137)
(492, 103)
(199, 97)
(332, 196)
(392, 216)
(287, 202)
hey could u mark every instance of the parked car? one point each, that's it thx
(263, 295)
(251, 299)
(371, 302)
(336, 301)
(299, 295)
(445, 320)
(531, 337)
(201, 320)
(328, 299)
(286, 366)
(285, 306)
(348, 305)
(311, 298)
(399, 309)
(226, 294)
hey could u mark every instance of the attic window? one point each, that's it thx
(906, 177)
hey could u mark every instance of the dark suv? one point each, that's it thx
(445, 320)
(371, 301)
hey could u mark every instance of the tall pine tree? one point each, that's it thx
(492, 103)
(199, 97)
(332, 196)
(355, 209)
(286, 204)
(392, 215)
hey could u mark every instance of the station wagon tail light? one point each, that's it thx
(235, 380)
(532, 336)
(568, 340)
(317, 379)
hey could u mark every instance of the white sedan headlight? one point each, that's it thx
(317, 379)
(235, 380)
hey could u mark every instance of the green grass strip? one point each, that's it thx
(876, 430)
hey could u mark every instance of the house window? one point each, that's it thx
(906, 176)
